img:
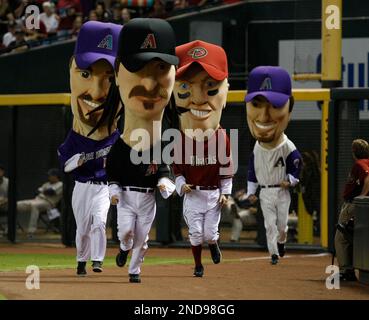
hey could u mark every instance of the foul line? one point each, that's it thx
(287, 257)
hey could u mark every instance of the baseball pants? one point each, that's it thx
(136, 212)
(343, 243)
(34, 207)
(202, 212)
(90, 203)
(275, 204)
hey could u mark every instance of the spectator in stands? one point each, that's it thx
(158, 10)
(87, 6)
(117, 14)
(356, 185)
(243, 214)
(47, 198)
(103, 15)
(92, 16)
(33, 35)
(77, 26)
(9, 37)
(180, 4)
(196, 3)
(5, 12)
(19, 44)
(49, 18)
(126, 16)
(68, 10)
(4, 182)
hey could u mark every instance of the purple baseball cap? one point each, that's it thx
(96, 40)
(273, 83)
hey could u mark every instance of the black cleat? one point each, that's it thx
(134, 278)
(216, 255)
(121, 258)
(97, 266)
(348, 276)
(274, 259)
(81, 268)
(281, 249)
(199, 271)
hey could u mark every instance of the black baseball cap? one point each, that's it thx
(53, 172)
(144, 39)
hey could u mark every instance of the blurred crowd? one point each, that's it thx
(62, 19)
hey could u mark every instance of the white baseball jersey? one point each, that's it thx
(272, 166)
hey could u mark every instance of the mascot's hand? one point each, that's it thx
(187, 188)
(252, 198)
(285, 184)
(114, 200)
(82, 159)
(223, 200)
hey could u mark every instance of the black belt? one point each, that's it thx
(204, 187)
(143, 190)
(271, 186)
(94, 182)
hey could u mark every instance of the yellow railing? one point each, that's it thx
(35, 99)
(236, 96)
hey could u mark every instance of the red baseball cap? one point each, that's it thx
(210, 56)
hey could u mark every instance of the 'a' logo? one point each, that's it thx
(197, 53)
(106, 43)
(152, 168)
(150, 42)
(267, 84)
(279, 163)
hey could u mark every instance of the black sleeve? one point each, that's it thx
(112, 165)
(164, 172)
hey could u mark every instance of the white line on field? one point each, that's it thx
(287, 257)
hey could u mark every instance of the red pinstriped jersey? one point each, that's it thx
(203, 163)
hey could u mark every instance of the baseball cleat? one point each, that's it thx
(274, 259)
(199, 271)
(121, 258)
(81, 268)
(281, 249)
(134, 278)
(216, 255)
(348, 276)
(97, 266)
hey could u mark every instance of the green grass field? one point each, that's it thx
(19, 262)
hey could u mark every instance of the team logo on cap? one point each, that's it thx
(197, 53)
(152, 168)
(267, 84)
(150, 42)
(106, 43)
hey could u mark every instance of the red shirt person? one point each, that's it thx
(356, 181)
(356, 185)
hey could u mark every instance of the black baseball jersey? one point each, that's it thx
(121, 170)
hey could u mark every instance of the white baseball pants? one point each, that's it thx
(136, 212)
(202, 212)
(275, 204)
(90, 203)
(34, 207)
